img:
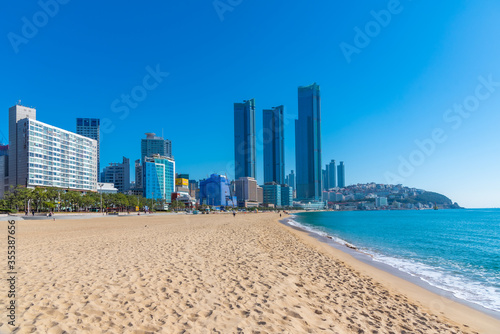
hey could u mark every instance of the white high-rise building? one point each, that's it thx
(46, 156)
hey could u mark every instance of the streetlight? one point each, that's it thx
(100, 186)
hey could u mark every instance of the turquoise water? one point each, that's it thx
(455, 250)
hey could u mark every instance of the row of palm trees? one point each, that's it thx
(56, 199)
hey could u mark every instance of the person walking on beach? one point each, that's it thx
(234, 214)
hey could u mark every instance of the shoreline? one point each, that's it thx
(434, 299)
(367, 259)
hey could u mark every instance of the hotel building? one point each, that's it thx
(44, 155)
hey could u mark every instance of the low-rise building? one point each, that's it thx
(272, 194)
(380, 202)
(215, 191)
(106, 188)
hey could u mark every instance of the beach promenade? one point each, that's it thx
(209, 274)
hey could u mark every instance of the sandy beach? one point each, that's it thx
(210, 274)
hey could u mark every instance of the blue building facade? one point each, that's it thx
(244, 140)
(274, 145)
(272, 194)
(159, 178)
(286, 195)
(332, 175)
(341, 174)
(216, 191)
(308, 144)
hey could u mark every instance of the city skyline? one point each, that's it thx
(381, 103)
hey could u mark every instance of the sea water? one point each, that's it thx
(454, 250)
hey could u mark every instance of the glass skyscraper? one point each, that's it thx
(274, 146)
(308, 144)
(152, 145)
(332, 177)
(244, 139)
(341, 175)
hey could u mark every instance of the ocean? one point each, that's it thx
(454, 250)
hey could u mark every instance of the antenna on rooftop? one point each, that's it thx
(18, 102)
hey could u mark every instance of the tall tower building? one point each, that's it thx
(308, 144)
(325, 173)
(16, 113)
(274, 145)
(332, 177)
(152, 145)
(244, 139)
(90, 127)
(341, 175)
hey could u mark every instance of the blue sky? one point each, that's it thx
(396, 89)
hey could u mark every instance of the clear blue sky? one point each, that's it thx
(395, 90)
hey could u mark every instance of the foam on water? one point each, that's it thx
(485, 292)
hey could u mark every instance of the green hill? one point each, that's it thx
(432, 197)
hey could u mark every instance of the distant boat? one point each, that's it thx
(435, 206)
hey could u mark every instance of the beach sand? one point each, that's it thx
(210, 274)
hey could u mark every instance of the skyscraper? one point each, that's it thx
(274, 145)
(291, 179)
(244, 139)
(325, 173)
(341, 175)
(332, 177)
(152, 145)
(90, 127)
(308, 144)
